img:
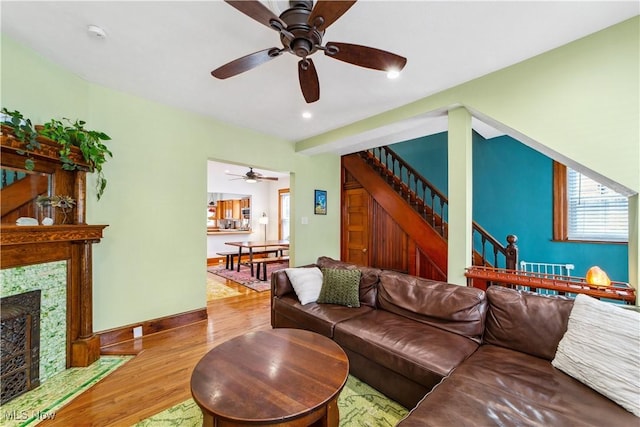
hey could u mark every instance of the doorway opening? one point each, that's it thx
(245, 205)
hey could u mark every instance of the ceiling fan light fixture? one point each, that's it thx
(306, 115)
(302, 27)
(250, 180)
(96, 32)
(393, 74)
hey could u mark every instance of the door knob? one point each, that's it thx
(364, 250)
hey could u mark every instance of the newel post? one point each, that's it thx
(512, 252)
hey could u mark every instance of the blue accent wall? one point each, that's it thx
(427, 155)
(513, 194)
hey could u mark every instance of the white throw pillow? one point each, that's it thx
(600, 349)
(306, 281)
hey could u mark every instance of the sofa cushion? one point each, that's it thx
(453, 308)
(368, 280)
(497, 386)
(413, 349)
(600, 349)
(340, 286)
(526, 322)
(320, 318)
(306, 283)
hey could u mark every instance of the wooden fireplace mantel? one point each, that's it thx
(24, 235)
(28, 245)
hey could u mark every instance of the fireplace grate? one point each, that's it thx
(19, 344)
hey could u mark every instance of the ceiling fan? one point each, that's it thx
(252, 177)
(301, 29)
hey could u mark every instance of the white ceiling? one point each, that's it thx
(164, 51)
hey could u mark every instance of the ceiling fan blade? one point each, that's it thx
(246, 63)
(364, 56)
(269, 178)
(258, 11)
(326, 13)
(308, 80)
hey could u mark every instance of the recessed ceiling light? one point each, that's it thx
(96, 31)
(306, 115)
(393, 74)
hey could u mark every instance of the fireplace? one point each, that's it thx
(27, 246)
(22, 246)
(19, 344)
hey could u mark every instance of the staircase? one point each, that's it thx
(421, 210)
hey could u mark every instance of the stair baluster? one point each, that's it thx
(431, 204)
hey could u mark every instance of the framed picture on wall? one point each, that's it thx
(320, 202)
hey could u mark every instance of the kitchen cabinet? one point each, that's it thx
(233, 209)
(220, 205)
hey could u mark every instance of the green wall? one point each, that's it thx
(152, 260)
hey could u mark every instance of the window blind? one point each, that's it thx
(595, 211)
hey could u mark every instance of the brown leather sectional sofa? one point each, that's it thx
(458, 356)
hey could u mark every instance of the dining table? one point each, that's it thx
(251, 245)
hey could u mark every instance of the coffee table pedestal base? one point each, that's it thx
(325, 416)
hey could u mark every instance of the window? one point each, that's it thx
(587, 210)
(284, 214)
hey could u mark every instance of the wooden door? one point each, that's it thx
(355, 231)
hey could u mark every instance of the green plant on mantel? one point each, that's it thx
(68, 134)
(24, 131)
(94, 151)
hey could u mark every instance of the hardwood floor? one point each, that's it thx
(159, 376)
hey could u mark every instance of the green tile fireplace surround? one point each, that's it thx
(51, 279)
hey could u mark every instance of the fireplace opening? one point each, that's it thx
(19, 344)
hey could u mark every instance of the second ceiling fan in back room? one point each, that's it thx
(301, 29)
(252, 177)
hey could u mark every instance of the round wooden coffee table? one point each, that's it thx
(273, 377)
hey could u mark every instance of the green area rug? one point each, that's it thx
(360, 406)
(41, 404)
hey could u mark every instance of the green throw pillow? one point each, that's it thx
(340, 286)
